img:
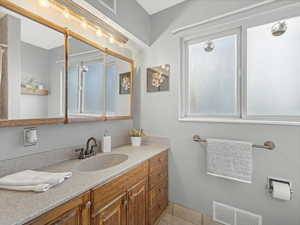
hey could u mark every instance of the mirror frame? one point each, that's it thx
(67, 32)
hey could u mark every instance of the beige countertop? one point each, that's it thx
(17, 208)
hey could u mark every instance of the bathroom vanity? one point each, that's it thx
(135, 192)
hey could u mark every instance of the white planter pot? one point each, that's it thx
(136, 141)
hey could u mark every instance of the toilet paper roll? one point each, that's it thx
(281, 191)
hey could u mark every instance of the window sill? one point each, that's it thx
(238, 121)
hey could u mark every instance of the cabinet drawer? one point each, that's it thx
(102, 195)
(158, 162)
(158, 176)
(158, 194)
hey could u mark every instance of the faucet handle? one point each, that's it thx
(81, 152)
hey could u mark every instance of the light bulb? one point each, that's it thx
(209, 46)
(66, 13)
(99, 32)
(44, 3)
(121, 44)
(111, 39)
(84, 23)
(279, 28)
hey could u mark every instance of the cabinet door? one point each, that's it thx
(137, 204)
(70, 218)
(74, 212)
(114, 213)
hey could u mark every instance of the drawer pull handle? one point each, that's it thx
(125, 202)
(88, 204)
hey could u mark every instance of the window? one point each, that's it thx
(212, 77)
(254, 78)
(85, 92)
(273, 70)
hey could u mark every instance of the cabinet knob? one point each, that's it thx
(88, 204)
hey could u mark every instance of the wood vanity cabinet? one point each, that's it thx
(158, 186)
(137, 203)
(74, 212)
(122, 201)
(136, 197)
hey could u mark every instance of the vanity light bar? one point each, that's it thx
(84, 23)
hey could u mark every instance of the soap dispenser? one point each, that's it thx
(106, 142)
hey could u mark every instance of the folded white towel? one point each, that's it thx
(31, 178)
(34, 188)
(230, 159)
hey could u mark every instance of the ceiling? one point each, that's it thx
(156, 6)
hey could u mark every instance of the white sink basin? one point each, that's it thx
(101, 162)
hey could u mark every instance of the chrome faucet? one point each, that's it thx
(90, 149)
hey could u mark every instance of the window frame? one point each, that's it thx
(242, 25)
(214, 36)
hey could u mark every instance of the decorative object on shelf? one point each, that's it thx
(158, 78)
(279, 28)
(136, 136)
(209, 46)
(31, 86)
(124, 83)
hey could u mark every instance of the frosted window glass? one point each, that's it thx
(273, 70)
(93, 83)
(73, 89)
(213, 78)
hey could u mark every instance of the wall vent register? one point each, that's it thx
(229, 215)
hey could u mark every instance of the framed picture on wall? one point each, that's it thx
(158, 78)
(124, 84)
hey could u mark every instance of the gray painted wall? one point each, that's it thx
(130, 15)
(189, 184)
(57, 137)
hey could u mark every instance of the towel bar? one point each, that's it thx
(269, 145)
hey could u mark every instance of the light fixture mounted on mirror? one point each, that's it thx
(279, 28)
(85, 23)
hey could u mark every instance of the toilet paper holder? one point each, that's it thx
(269, 185)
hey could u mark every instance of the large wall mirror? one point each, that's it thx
(86, 81)
(49, 74)
(32, 75)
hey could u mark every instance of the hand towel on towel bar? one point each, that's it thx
(230, 159)
(33, 178)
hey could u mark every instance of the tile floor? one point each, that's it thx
(168, 219)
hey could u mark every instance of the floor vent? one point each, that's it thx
(229, 215)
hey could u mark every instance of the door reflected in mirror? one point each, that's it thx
(119, 86)
(86, 80)
(32, 77)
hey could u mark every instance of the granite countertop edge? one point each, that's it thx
(145, 152)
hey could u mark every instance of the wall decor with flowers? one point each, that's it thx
(158, 78)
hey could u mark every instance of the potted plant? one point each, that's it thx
(136, 136)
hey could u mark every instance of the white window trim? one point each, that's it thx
(243, 25)
(218, 35)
